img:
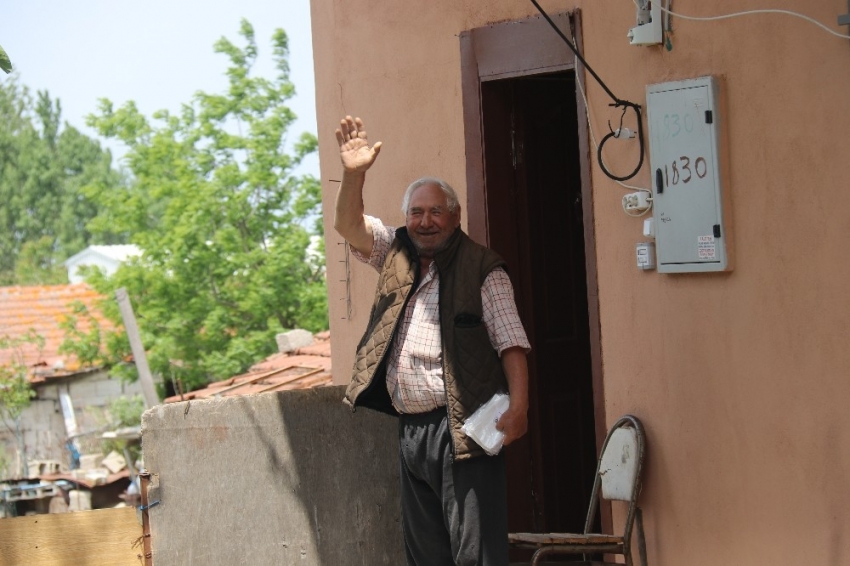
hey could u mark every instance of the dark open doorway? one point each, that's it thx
(529, 197)
(534, 209)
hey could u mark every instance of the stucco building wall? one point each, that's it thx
(740, 377)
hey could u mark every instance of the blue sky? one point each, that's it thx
(157, 52)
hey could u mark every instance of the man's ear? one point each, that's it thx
(457, 214)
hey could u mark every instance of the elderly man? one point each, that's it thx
(443, 337)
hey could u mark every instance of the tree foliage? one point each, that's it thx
(43, 169)
(15, 391)
(124, 412)
(5, 63)
(224, 223)
(86, 345)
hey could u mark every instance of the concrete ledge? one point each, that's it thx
(276, 478)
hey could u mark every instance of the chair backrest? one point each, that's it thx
(619, 466)
(618, 472)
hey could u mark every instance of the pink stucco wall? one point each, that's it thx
(743, 378)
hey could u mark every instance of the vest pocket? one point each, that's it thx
(467, 320)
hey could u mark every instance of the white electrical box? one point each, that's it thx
(645, 254)
(684, 145)
(648, 30)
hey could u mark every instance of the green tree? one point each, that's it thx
(5, 63)
(44, 167)
(15, 391)
(223, 222)
(87, 346)
(124, 412)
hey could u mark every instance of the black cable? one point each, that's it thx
(617, 103)
(616, 100)
(609, 135)
(620, 127)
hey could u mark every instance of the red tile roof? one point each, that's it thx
(41, 309)
(304, 368)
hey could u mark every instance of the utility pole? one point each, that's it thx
(148, 389)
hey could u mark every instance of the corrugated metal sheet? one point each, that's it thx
(304, 368)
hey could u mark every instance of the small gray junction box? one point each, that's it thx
(683, 118)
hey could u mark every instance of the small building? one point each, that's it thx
(70, 397)
(106, 258)
(740, 375)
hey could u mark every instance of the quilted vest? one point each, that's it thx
(472, 370)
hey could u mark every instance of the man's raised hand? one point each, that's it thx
(354, 150)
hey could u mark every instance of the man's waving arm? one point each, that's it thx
(357, 157)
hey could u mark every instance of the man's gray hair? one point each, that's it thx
(451, 195)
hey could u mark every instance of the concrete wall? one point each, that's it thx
(740, 378)
(276, 478)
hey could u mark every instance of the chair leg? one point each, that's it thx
(535, 558)
(542, 551)
(641, 537)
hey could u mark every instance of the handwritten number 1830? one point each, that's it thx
(675, 123)
(682, 171)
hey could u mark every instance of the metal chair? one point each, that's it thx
(618, 476)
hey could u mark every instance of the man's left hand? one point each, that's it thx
(514, 423)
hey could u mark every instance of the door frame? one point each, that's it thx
(515, 49)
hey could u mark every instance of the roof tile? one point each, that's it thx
(42, 308)
(304, 368)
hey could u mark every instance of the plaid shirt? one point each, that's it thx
(415, 363)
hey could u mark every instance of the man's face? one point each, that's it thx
(429, 222)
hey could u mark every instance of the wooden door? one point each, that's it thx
(534, 213)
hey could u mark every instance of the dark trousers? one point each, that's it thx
(454, 513)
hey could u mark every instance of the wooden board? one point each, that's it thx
(105, 537)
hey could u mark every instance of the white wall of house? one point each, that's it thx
(106, 258)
